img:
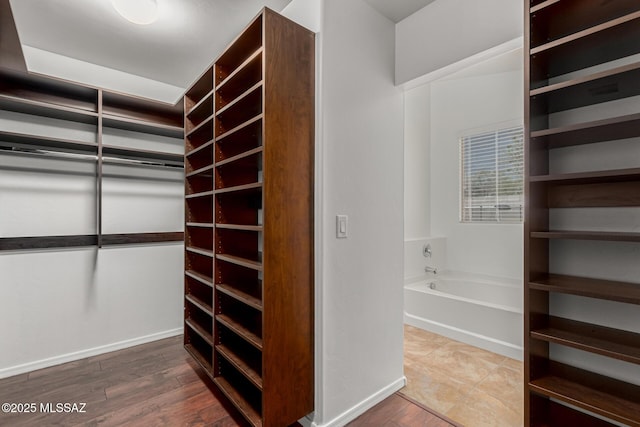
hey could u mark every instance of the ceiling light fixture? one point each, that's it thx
(140, 12)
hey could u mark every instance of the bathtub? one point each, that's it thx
(483, 312)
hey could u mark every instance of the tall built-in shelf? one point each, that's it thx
(39, 98)
(249, 221)
(582, 83)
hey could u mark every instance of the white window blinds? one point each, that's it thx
(492, 166)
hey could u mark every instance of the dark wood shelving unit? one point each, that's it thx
(577, 54)
(51, 98)
(249, 144)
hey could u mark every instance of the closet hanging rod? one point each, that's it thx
(85, 157)
(126, 162)
(46, 153)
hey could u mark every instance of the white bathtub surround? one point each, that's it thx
(415, 261)
(483, 311)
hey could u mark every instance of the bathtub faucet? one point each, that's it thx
(433, 270)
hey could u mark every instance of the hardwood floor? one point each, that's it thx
(155, 384)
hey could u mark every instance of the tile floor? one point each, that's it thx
(473, 387)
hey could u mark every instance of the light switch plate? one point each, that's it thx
(342, 226)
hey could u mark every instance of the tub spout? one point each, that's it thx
(433, 270)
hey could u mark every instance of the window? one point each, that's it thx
(492, 176)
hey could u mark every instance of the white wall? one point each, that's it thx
(477, 98)
(447, 31)
(58, 305)
(362, 161)
(417, 157)
(459, 105)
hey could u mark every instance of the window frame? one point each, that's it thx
(495, 130)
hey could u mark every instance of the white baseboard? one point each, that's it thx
(82, 354)
(362, 407)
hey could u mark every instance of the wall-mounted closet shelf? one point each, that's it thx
(621, 127)
(43, 109)
(611, 236)
(142, 126)
(588, 287)
(249, 144)
(50, 98)
(10, 139)
(598, 44)
(592, 398)
(48, 242)
(610, 342)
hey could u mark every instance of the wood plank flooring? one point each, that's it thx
(155, 384)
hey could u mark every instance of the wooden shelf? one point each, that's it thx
(205, 280)
(543, 5)
(137, 125)
(588, 287)
(199, 195)
(199, 90)
(200, 331)
(609, 342)
(631, 17)
(206, 171)
(44, 242)
(206, 308)
(239, 98)
(137, 153)
(558, 415)
(240, 365)
(610, 85)
(202, 127)
(238, 401)
(618, 175)
(590, 399)
(253, 187)
(241, 110)
(48, 91)
(254, 59)
(238, 128)
(200, 224)
(200, 105)
(206, 365)
(247, 42)
(240, 330)
(622, 127)
(611, 236)
(239, 157)
(143, 112)
(46, 143)
(239, 227)
(238, 295)
(200, 148)
(46, 109)
(200, 251)
(139, 238)
(243, 262)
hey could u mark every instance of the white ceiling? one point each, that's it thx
(397, 10)
(187, 36)
(175, 49)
